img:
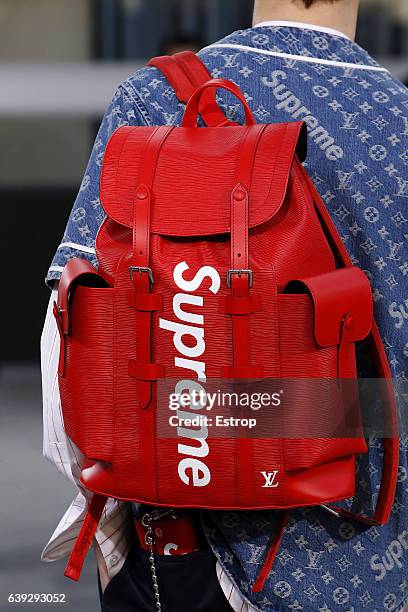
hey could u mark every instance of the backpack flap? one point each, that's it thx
(339, 295)
(191, 193)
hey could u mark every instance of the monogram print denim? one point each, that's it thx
(358, 132)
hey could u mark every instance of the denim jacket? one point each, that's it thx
(357, 117)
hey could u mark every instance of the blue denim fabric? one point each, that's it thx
(358, 160)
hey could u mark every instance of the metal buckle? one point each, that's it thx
(240, 272)
(141, 270)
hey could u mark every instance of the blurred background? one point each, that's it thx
(60, 63)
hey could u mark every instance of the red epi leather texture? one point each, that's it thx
(290, 323)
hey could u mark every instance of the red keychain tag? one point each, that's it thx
(175, 536)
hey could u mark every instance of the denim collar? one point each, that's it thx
(302, 26)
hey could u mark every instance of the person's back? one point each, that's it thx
(356, 114)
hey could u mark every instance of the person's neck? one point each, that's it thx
(340, 15)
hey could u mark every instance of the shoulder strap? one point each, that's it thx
(185, 72)
(388, 485)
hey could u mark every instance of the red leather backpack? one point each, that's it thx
(217, 260)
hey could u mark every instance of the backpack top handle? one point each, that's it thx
(192, 108)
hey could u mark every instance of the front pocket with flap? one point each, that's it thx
(316, 349)
(84, 316)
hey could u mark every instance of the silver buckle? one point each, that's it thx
(240, 272)
(141, 271)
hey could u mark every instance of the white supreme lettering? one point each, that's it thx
(290, 103)
(189, 341)
(393, 557)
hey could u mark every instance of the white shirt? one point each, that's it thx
(302, 26)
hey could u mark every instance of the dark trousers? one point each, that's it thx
(187, 583)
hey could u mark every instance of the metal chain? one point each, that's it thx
(149, 541)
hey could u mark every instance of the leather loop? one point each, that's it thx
(192, 109)
(57, 312)
(239, 305)
(147, 302)
(243, 371)
(346, 345)
(145, 371)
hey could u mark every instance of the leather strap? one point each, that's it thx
(198, 74)
(271, 554)
(142, 368)
(240, 276)
(185, 72)
(240, 287)
(175, 75)
(389, 476)
(346, 345)
(85, 536)
(140, 270)
(193, 67)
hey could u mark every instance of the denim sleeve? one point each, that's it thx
(126, 108)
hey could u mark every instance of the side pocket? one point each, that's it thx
(318, 350)
(86, 379)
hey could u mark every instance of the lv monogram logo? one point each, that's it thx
(270, 478)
